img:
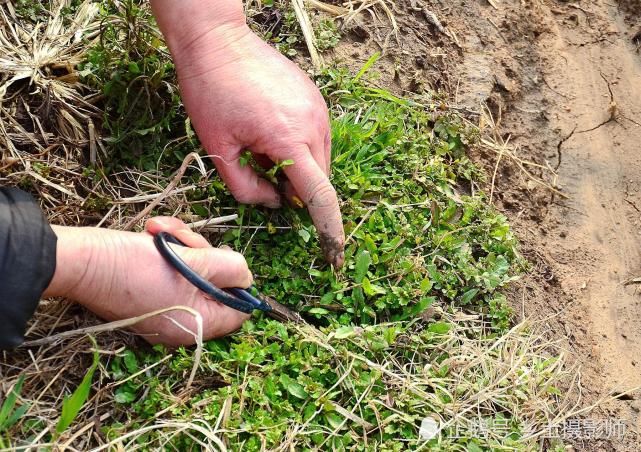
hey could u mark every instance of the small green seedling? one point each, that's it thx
(8, 415)
(72, 404)
(271, 173)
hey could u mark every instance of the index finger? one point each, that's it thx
(313, 186)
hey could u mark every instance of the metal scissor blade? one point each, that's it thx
(282, 313)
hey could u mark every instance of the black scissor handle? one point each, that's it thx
(241, 300)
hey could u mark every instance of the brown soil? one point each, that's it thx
(563, 82)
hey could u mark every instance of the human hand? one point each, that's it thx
(120, 275)
(242, 94)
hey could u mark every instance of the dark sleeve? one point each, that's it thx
(27, 262)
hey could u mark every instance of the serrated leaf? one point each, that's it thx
(426, 285)
(125, 396)
(304, 234)
(371, 289)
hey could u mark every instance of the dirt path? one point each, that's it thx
(569, 94)
(601, 170)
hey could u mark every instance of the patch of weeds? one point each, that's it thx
(276, 23)
(413, 239)
(327, 35)
(329, 390)
(133, 69)
(418, 253)
(32, 10)
(289, 35)
(37, 11)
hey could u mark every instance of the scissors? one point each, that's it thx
(243, 300)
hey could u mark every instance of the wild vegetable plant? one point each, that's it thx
(420, 252)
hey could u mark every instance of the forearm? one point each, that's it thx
(94, 268)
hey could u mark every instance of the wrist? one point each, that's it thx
(81, 268)
(186, 23)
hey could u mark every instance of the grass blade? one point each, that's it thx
(368, 64)
(71, 405)
(15, 417)
(9, 404)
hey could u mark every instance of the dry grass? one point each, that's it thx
(45, 113)
(381, 13)
(47, 123)
(502, 373)
(545, 176)
(38, 82)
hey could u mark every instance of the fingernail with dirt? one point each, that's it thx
(333, 248)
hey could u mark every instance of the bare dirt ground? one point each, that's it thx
(563, 83)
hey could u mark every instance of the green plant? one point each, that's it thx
(418, 253)
(276, 22)
(9, 414)
(327, 35)
(413, 239)
(132, 68)
(414, 325)
(71, 405)
(32, 10)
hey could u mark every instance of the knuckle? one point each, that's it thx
(238, 266)
(239, 260)
(246, 192)
(319, 193)
(243, 195)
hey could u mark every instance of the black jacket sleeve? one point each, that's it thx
(27, 262)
